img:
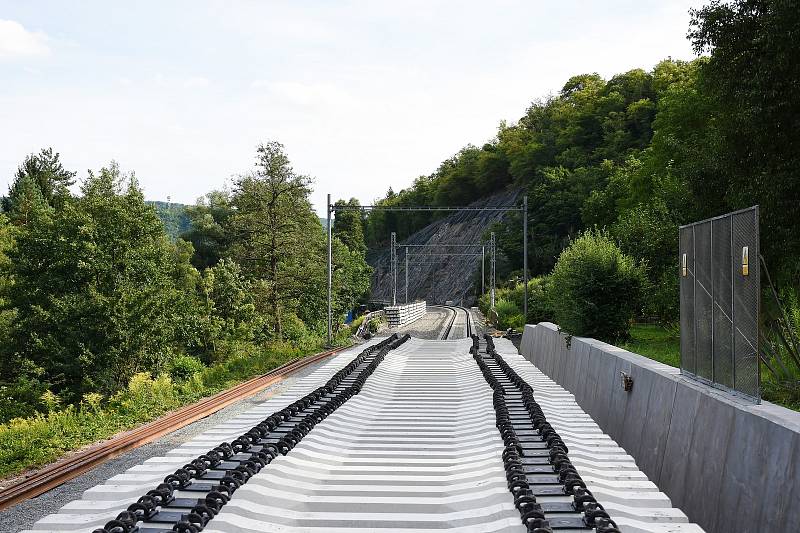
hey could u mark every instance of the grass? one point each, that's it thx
(655, 342)
(35, 441)
(663, 345)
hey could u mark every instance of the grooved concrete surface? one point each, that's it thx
(729, 464)
(634, 502)
(416, 450)
(101, 503)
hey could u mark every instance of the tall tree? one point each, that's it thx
(46, 171)
(24, 200)
(94, 288)
(348, 226)
(276, 235)
(753, 78)
(208, 232)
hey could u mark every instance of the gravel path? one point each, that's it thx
(23, 515)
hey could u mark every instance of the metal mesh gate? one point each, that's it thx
(720, 290)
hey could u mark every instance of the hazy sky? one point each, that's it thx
(363, 94)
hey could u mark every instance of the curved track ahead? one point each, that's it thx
(448, 333)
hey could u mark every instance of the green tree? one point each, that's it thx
(753, 81)
(94, 288)
(25, 201)
(351, 278)
(209, 232)
(46, 171)
(277, 237)
(348, 226)
(226, 313)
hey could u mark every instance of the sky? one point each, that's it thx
(364, 95)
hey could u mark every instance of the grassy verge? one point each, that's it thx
(663, 345)
(30, 442)
(655, 342)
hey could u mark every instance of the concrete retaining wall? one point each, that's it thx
(729, 465)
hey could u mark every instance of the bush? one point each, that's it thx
(509, 315)
(294, 329)
(595, 290)
(509, 312)
(183, 367)
(539, 308)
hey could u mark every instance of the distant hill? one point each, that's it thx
(174, 216)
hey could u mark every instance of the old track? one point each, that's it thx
(63, 470)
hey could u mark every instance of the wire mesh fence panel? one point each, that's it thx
(686, 260)
(746, 289)
(703, 301)
(723, 302)
(719, 301)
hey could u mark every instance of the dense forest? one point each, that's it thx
(95, 291)
(174, 217)
(645, 151)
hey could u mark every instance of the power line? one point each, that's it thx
(420, 208)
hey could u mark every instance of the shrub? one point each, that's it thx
(294, 329)
(183, 367)
(595, 290)
(21, 397)
(539, 308)
(509, 315)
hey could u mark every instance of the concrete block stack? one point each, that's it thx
(402, 315)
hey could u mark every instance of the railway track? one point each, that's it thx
(464, 436)
(448, 332)
(63, 470)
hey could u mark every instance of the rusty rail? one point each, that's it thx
(71, 466)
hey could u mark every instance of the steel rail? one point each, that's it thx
(67, 468)
(455, 309)
(446, 331)
(469, 321)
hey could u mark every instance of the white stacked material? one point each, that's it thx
(103, 502)
(416, 451)
(634, 502)
(402, 315)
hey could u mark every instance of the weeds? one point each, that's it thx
(44, 437)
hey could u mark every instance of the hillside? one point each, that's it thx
(174, 216)
(440, 278)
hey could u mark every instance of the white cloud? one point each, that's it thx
(363, 94)
(16, 41)
(196, 82)
(304, 94)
